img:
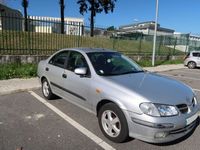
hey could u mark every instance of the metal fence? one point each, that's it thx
(43, 37)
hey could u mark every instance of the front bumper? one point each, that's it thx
(160, 129)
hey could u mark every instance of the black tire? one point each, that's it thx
(191, 65)
(46, 90)
(116, 112)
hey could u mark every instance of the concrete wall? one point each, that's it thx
(36, 58)
(21, 58)
(149, 57)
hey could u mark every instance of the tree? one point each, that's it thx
(62, 8)
(111, 28)
(25, 5)
(95, 6)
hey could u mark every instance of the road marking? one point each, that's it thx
(178, 76)
(75, 124)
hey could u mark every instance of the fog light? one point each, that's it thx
(161, 135)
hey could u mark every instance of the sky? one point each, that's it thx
(179, 15)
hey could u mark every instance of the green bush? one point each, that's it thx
(148, 63)
(15, 70)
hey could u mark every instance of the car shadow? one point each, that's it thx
(55, 97)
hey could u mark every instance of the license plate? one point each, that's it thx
(191, 119)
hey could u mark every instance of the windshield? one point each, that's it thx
(112, 63)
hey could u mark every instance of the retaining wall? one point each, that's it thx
(37, 58)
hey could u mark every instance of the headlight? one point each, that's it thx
(195, 100)
(167, 110)
(158, 109)
(149, 109)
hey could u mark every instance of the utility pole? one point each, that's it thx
(62, 16)
(155, 34)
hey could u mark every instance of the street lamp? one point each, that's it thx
(155, 33)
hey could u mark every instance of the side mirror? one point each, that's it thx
(81, 71)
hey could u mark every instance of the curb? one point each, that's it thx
(18, 90)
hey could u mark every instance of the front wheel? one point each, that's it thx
(191, 65)
(113, 123)
(46, 90)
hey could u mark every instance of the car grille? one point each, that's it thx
(184, 108)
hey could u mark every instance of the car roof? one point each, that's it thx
(89, 50)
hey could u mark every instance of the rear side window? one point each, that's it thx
(59, 59)
(196, 54)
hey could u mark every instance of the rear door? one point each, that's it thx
(196, 57)
(198, 60)
(55, 71)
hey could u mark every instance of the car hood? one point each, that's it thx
(154, 88)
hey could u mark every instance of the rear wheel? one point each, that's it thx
(191, 65)
(113, 123)
(46, 90)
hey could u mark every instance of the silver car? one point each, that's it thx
(127, 100)
(192, 59)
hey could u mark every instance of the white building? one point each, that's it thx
(72, 26)
(194, 37)
(147, 28)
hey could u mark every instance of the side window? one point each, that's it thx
(59, 59)
(76, 60)
(195, 54)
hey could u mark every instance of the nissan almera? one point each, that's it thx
(128, 101)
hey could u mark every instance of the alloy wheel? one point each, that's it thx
(111, 123)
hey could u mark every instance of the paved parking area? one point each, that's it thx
(29, 123)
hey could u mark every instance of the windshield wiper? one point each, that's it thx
(128, 72)
(117, 74)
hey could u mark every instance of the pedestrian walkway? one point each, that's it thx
(17, 85)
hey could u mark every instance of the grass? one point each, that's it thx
(31, 43)
(14, 70)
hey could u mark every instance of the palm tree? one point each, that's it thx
(25, 5)
(62, 7)
(95, 6)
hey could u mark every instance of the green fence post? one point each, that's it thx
(113, 42)
(140, 44)
(29, 36)
(187, 43)
(160, 43)
(79, 34)
(175, 42)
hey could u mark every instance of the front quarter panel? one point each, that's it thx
(124, 98)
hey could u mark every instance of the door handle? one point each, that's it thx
(47, 69)
(64, 75)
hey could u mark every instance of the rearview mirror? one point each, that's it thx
(81, 71)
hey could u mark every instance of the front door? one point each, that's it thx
(76, 86)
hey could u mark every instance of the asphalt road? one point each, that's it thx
(27, 123)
